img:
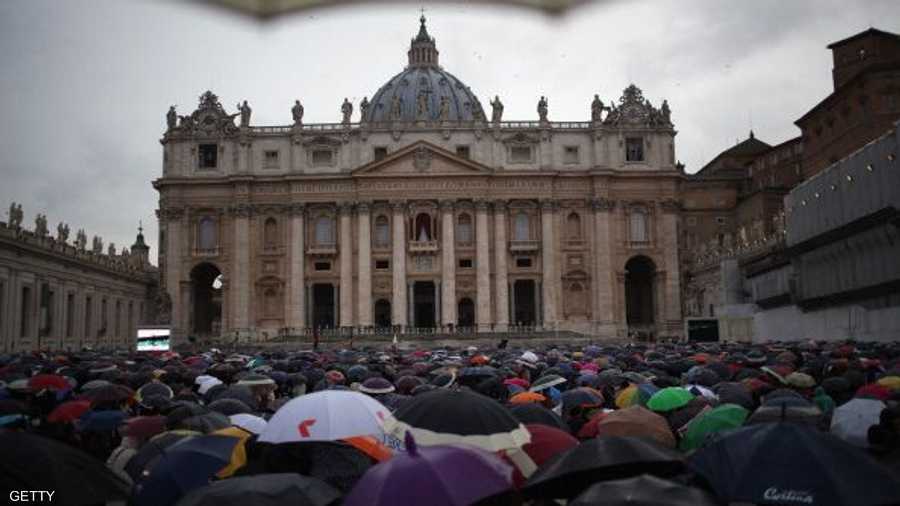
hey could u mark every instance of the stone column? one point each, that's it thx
(448, 264)
(502, 305)
(548, 262)
(240, 286)
(398, 265)
(364, 257)
(172, 221)
(346, 252)
(668, 239)
(483, 309)
(604, 307)
(296, 293)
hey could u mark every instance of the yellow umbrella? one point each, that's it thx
(892, 382)
(239, 455)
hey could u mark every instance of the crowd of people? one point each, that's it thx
(640, 423)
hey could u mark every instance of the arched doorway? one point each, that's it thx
(640, 272)
(424, 304)
(206, 297)
(323, 305)
(382, 313)
(465, 312)
(423, 228)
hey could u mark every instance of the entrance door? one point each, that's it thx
(423, 304)
(382, 313)
(524, 296)
(466, 312)
(206, 297)
(323, 305)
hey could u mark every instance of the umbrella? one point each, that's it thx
(533, 413)
(32, 462)
(108, 394)
(68, 412)
(547, 442)
(635, 394)
(100, 421)
(250, 423)
(447, 416)
(669, 398)
(140, 465)
(851, 421)
(229, 407)
(581, 397)
(643, 490)
(263, 490)
(339, 464)
(144, 427)
(48, 382)
(547, 381)
(635, 421)
(183, 467)
(791, 409)
(723, 417)
(610, 458)
(434, 475)
(527, 398)
(154, 389)
(788, 463)
(328, 415)
(93, 384)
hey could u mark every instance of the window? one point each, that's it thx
(634, 149)
(322, 157)
(322, 266)
(520, 154)
(523, 262)
(573, 227)
(522, 227)
(270, 234)
(25, 317)
(570, 155)
(720, 220)
(638, 226)
(423, 227)
(207, 233)
(271, 302)
(382, 265)
(380, 153)
(465, 263)
(463, 152)
(324, 231)
(208, 156)
(271, 160)
(464, 229)
(382, 232)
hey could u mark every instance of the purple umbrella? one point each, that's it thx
(433, 475)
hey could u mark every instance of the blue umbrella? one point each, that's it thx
(788, 463)
(184, 467)
(101, 421)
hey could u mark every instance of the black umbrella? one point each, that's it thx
(337, 464)
(535, 413)
(264, 490)
(140, 465)
(455, 416)
(643, 490)
(29, 462)
(787, 463)
(610, 458)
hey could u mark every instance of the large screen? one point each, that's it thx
(153, 339)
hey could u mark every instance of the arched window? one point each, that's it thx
(270, 233)
(423, 227)
(522, 230)
(208, 237)
(324, 230)
(271, 302)
(638, 226)
(382, 231)
(573, 226)
(464, 229)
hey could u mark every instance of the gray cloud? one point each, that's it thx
(86, 83)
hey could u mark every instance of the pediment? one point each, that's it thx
(422, 159)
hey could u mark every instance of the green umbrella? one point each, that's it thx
(724, 417)
(669, 398)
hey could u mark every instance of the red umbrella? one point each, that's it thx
(144, 427)
(108, 393)
(68, 412)
(48, 382)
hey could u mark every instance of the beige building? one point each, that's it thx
(424, 216)
(61, 294)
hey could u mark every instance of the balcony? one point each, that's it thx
(524, 246)
(322, 249)
(423, 246)
(206, 252)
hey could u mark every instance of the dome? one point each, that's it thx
(399, 99)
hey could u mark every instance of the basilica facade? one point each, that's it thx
(418, 213)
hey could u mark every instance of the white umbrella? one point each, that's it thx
(328, 415)
(851, 421)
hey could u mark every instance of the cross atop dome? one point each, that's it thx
(422, 49)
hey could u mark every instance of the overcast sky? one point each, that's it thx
(85, 84)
